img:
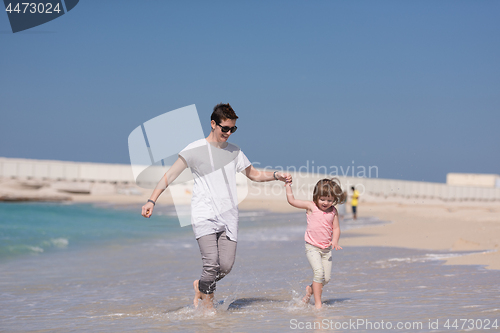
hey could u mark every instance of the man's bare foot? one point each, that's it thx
(307, 297)
(207, 303)
(197, 293)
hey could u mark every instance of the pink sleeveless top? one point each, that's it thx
(320, 227)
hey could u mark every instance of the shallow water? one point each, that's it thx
(144, 284)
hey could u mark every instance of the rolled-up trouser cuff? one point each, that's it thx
(206, 287)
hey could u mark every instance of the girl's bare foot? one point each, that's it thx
(307, 297)
(197, 293)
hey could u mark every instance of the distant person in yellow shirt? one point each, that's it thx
(354, 201)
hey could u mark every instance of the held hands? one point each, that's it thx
(147, 209)
(284, 177)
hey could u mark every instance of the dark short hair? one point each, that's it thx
(329, 188)
(223, 112)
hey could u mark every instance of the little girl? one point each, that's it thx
(322, 233)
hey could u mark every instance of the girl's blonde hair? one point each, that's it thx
(329, 188)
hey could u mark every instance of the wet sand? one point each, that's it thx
(145, 284)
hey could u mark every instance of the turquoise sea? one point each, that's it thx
(104, 268)
(36, 228)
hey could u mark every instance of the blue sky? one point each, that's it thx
(411, 87)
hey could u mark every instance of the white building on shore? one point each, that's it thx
(473, 179)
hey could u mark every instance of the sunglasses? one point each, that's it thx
(226, 129)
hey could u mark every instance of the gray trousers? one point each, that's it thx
(217, 254)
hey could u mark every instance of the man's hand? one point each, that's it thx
(284, 177)
(147, 209)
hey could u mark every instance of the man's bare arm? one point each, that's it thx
(169, 176)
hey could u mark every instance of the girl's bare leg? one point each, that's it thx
(317, 291)
(309, 292)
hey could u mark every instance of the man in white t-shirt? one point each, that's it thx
(214, 163)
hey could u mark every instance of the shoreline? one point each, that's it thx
(472, 226)
(415, 226)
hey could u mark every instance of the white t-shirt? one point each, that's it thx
(214, 205)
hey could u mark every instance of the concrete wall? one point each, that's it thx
(24, 169)
(374, 189)
(423, 190)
